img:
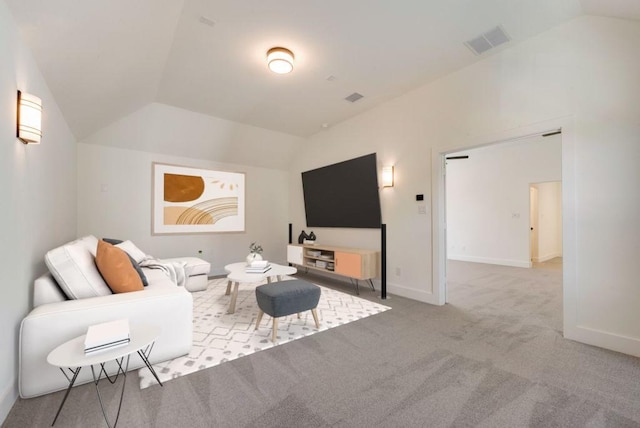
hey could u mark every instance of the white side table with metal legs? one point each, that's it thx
(70, 358)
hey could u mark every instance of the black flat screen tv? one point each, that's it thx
(344, 194)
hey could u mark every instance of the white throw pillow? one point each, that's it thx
(74, 268)
(133, 251)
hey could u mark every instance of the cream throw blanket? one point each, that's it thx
(174, 270)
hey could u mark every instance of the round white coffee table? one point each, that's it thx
(236, 275)
(71, 356)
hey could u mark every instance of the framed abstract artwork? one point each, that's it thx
(192, 200)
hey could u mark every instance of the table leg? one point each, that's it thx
(274, 333)
(226, 293)
(314, 312)
(66, 394)
(124, 383)
(260, 314)
(149, 366)
(234, 297)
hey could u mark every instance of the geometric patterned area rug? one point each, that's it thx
(219, 337)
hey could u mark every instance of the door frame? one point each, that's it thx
(533, 222)
(438, 218)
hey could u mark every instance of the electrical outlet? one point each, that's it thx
(200, 252)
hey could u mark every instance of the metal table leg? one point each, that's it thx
(66, 394)
(124, 382)
(144, 356)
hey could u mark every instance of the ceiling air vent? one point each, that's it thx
(207, 21)
(490, 39)
(354, 97)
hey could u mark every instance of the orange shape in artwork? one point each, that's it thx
(182, 188)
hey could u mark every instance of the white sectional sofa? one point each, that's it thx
(56, 319)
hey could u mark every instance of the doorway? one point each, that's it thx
(545, 218)
(496, 199)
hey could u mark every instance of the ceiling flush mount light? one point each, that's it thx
(280, 60)
(387, 176)
(29, 127)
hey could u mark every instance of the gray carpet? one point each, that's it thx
(493, 357)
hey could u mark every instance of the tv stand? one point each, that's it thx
(353, 263)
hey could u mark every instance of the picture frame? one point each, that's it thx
(187, 200)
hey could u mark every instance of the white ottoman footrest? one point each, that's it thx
(197, 272)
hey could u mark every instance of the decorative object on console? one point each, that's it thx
(255, 253)
(311, 239)
(116, 269)
(29, 115)
(302, 237)
(191, 200)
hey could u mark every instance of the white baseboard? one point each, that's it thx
(410, 293)
(8, 398)
(487, 260)
(602, 339)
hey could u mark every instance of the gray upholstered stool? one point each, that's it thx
(283, 298)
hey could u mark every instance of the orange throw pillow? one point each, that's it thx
(116, 269)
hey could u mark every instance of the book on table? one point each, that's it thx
(262, 267)
(258, 270)
(107, 335)
(106, 346)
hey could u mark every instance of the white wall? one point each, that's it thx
(38, 185)
(549, 221)
(488, 199)
(114, 184)
(583, 74)
(160, 128)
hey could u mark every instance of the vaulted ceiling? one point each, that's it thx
(105, 59)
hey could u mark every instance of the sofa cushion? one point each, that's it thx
(116, 268)
(123, 245)
(74, 269)
(158, 279)
(129, 247)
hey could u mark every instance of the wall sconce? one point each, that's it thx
(280, 60)
(29, 126)
(387, 176)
